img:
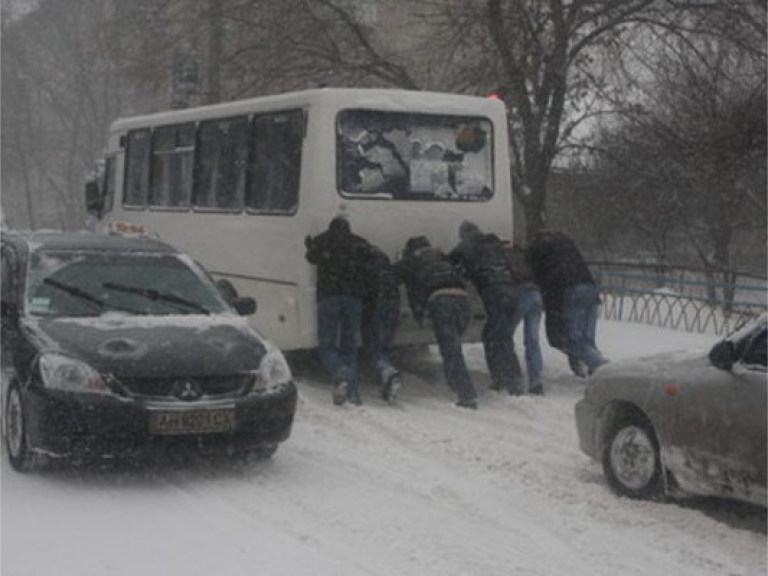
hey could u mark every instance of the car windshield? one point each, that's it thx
(68, 283)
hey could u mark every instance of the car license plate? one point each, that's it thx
(191, 421)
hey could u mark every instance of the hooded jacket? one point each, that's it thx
(425, 269)
(557, 263)
(342, 259)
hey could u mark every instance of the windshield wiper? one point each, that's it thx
(151, 294)
(75, 291)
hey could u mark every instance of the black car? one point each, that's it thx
(115, 347)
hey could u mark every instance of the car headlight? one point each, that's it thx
(273, 369)
(60, 372)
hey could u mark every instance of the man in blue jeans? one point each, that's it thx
(528, 311)
(435, 289)
(342, 261)
(500, 273)
(381, 318)
(570, 295)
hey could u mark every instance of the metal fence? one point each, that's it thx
(678, 303)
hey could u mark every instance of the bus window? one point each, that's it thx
(222, 155)
(110, 184)
(414, 156)
(137, 168)
(172, 157)
(275, 162)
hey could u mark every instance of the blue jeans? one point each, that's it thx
(379, 336)
(338, 324)
(528, 310)
(450, 316)
(581, 303)
(499, 301)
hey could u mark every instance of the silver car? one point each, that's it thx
(682, 422)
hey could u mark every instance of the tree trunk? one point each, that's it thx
(213, 68)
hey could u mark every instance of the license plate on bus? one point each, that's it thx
(191, 421)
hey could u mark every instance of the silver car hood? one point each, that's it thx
(667, 364)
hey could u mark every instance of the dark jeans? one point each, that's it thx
(338, 324)
(503, 364)
(450, 316)
(378, 331)
(580, 308)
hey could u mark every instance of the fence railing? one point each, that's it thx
(648, 300)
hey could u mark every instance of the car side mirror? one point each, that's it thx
(723, 355)
(244, 305)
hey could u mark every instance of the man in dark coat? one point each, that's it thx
(381, 317)
(571, 298)
(528, 311)
(435, 289)
(505, 284)
(342, 261)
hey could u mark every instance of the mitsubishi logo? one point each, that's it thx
(186, 390)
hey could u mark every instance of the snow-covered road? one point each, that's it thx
(422, 488)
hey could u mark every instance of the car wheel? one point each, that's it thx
(16, 430)
(631, 461)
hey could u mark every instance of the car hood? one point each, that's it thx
(154, 346)
(668, 365)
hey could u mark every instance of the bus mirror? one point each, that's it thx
(244, 305)
(93, 200)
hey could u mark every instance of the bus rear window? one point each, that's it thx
(409, 156)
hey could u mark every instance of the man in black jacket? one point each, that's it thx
(342, 260)
(435, 288)
(381, 317)
(505, 284)
(571, 298)
(480, 259)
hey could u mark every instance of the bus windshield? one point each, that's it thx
(410, 156)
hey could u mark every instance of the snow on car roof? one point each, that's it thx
(88, 241)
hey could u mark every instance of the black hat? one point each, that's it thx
(415, 243)
(339, 224)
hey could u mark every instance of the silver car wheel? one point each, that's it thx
(633, 457)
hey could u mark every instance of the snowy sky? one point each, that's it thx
(421, 488)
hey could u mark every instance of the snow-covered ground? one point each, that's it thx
(422, 488)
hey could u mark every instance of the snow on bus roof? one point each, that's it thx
(375, 98)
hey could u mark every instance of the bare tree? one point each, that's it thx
(54, 109)
(542, 57)
(695, 145)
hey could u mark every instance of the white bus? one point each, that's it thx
(239, 185)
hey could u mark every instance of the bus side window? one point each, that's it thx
(172, 157)
(110, 185)
(275, 163)
(221, 161)
(137, 168)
